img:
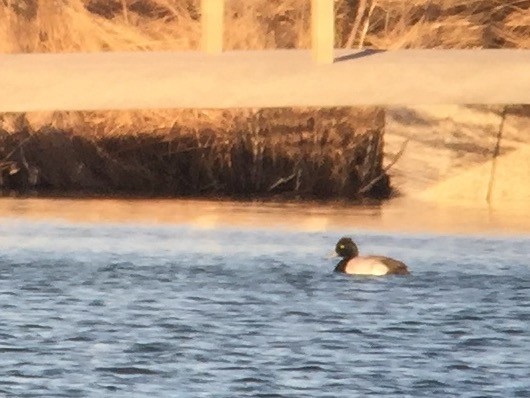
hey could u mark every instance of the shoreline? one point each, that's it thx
(439, 156)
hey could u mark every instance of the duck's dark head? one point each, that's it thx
(346, 248)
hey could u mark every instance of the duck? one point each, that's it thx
(354, 264)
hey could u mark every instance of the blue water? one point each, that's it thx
(136, 311)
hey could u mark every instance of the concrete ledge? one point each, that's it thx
(276, 78)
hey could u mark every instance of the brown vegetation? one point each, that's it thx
(335, 153)
(137, 25)
(118, 25)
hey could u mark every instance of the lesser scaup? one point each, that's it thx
(354, 264)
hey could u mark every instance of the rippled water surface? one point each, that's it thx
(124, 310)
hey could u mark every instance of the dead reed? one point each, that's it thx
(118, 25)
(281, 153)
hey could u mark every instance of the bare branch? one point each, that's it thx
(371, 184)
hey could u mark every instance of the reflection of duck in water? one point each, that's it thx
(354, 264)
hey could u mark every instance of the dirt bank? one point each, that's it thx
(273, 153)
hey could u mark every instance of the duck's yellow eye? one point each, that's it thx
(341, 246)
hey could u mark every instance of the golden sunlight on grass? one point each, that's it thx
(118, 25)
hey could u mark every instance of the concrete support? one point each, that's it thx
(323, 30)
(212, 21)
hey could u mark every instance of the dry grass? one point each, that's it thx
(135, 25)
(272, 153)
(66, 26)
(95, 25)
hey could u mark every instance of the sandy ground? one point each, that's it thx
(278, 78)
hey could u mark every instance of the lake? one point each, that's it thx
(96, 305)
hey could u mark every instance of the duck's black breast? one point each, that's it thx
(341, 266)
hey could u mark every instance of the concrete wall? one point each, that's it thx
(450, 155)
